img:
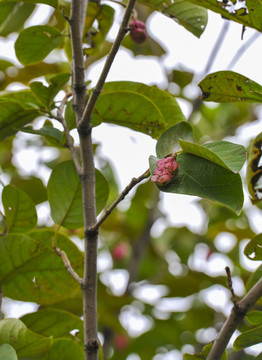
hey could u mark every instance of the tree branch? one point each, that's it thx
(110, 58)
(238, 312)
(68, 265)
(122, 195)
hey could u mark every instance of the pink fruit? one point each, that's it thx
(120, 251)
(138, 31)
(165, 171)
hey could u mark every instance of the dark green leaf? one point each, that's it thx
(52, 135)
(168, 142)
(70, 350)
(70, 117)
(13, 116)
(248, 338)
(192, 17)
(32, 271)
(137, 106)
(13, 16)
(200, 177)
(65, 195)
(25, 98)
(254, 171)
(55, 322)
(148, 48)
(95, 38)
(225, 86)
(226, 154)
(36, 42)
(250, 17)
(253, 249)
(7, 352)
(46, 94)
(24, 341)
(254, 317)
(20, 212)
(32, 186)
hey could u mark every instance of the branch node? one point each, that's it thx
(91, 233)
(84, 130)
(92, 345)
(65, 17)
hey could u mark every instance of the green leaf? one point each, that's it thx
(53, 3)
(248, 338)
(70, 117)
(13, 116)
(253, 249)
(168, 142)
(70, 350)
(140, 107)
(55, 322)
(201, 177)
(36, 42)
(148, 48)
(32, 271)
(254, 171)
(13, 16)
(46, 94)
(105, 19)
(254, 317)
(52, 135)
(32, 186)
(24, 341)
(250, 17)
(7, 352)
(20, 212)
(226, 86)
(226, 154)
(191, 17)
(65, 195)
(25, 98)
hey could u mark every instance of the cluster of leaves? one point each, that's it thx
(31, 270)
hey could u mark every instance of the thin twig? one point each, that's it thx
(86, 118)
(243, 49)
(68, 265)
(122, 195)
(230, 286)
(234, 319)
(70, 143)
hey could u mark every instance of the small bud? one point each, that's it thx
(120, 251)
(138, 31)
(165, 171)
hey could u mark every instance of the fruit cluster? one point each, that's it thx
(165, 171)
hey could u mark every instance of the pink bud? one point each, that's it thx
(138, 31)
(120, 251)
(165, 171)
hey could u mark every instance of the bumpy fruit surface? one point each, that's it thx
(165, 171)
(138, 31)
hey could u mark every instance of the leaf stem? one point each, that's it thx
(68, 265)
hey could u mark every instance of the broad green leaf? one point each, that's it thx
(20, 212)
(36, 42)
(52, 135)
(248, 338)
(226, 154)
(52, 3)
(148, 48)
(32, 186)
(226, 86)
(24, 341)
(254, 172)
(140, 107)
(253, 249)
(46, 94)
(69, 348)
(254, 317)
(7, 352)
(13, 116)
(95, 38)
(192, 17)
(250, 16)
(32, 271)
(65, 195)
(55, 322)
(13, 16)
(25, 98)
(168, 142)
(201, 177)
